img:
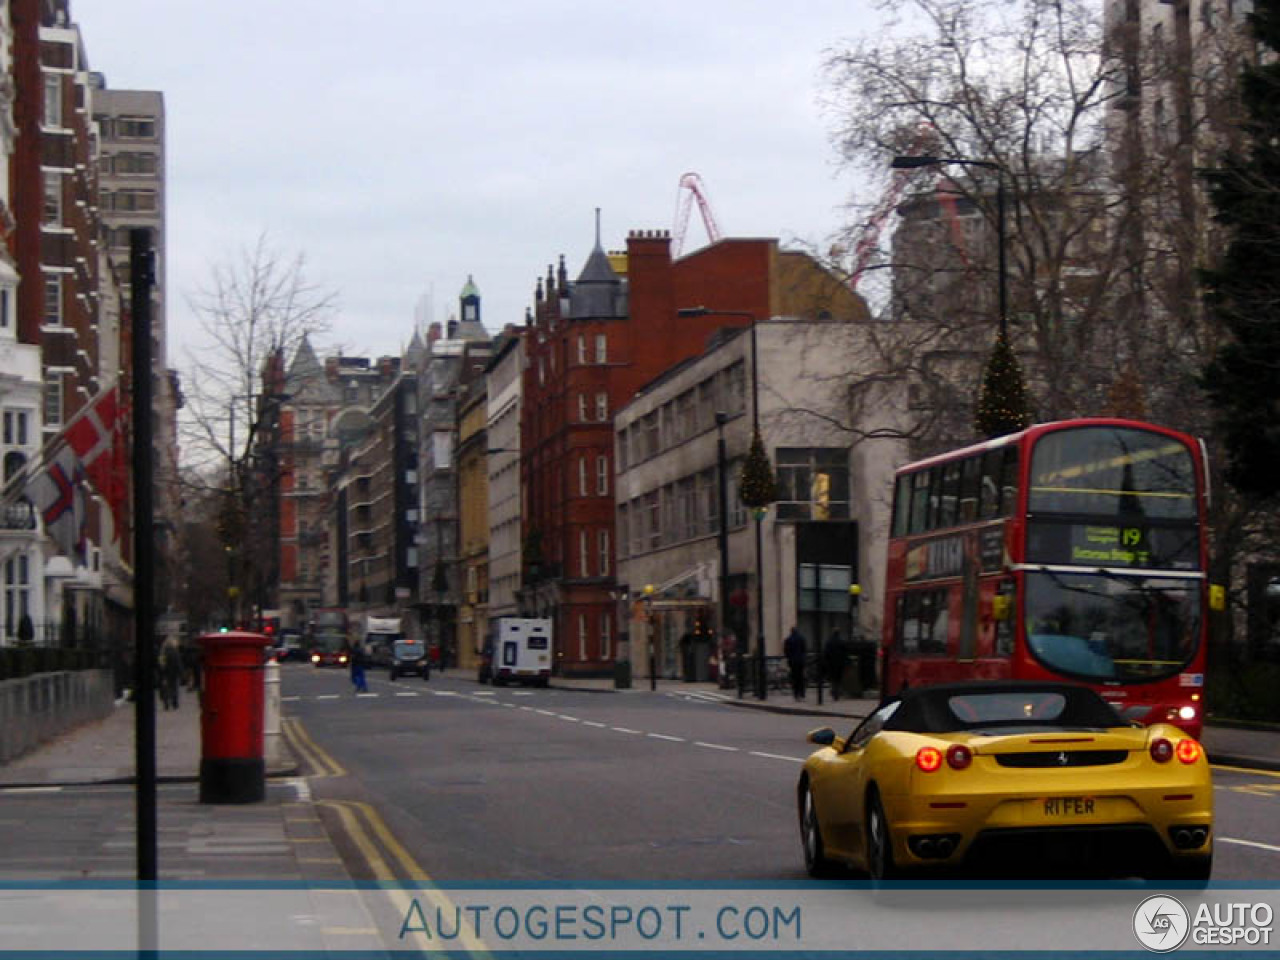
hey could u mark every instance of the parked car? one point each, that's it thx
(1007, 772)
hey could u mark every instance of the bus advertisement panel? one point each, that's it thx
(1073, 550)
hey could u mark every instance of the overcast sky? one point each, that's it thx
(403, 145)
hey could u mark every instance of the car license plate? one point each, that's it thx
(1068, 808)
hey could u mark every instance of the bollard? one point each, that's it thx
(271, 714)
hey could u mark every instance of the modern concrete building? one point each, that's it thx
(826, 531)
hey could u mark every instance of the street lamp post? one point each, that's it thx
(758, 510)
(648, 604)
(1002, 268)
(723, 478)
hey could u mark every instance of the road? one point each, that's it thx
(478, 784)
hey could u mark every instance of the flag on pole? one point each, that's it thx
(96, 435)
(56, 492)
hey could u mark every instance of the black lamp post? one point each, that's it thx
(759, 509)
(1002, 270)
(722, 475)
(649, 628)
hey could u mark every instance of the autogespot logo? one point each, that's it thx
(1161, 923)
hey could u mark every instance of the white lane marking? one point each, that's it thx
(485, 693)
(363, 696)
(775, 756)
(530, 709)
(546, 713)
(522, 693)
(408, 694)
(624, 730)
(509, 706)
(565, 716)
(329, 696)
(289, 699)
(445, 693)
(714, 746)
(663, 736)
(30, 789)
(593, 723)
(1250, 843)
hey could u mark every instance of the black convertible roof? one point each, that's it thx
(928, 710)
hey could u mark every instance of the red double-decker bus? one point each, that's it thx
(1073, 550)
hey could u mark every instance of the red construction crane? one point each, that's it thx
(691, 187)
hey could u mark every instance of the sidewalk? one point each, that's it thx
(1256, 748)
(103, 751)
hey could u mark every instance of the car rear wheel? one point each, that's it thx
(880, 863)
(815, 857)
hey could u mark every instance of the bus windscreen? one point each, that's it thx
(1113, 473)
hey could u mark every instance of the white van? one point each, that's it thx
(520, 651)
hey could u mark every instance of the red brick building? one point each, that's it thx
(590, 346)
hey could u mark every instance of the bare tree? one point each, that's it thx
(1038, 93)
(255, 313)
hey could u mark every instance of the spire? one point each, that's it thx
(598, 269)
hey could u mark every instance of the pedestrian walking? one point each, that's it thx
(170, 674)
(794, 650)
(356, 659)
(833, 662)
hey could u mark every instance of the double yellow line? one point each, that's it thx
(363, 824)
(317, 758)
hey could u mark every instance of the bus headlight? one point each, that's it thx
(1187, 713)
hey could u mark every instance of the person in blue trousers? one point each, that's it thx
(355, 657)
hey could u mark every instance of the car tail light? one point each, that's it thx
(1161, 750)
(959, 756)
(928, 759)
(1188, 750)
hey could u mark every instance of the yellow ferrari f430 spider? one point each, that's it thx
(1007, 773)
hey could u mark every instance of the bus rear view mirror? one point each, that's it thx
(1001, 607)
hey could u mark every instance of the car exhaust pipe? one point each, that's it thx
(944, 847)
(925, 846)
(1182, 838)
(1198, 836)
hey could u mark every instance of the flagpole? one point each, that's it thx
(141, 277)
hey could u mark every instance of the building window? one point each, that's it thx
(582, 636)
(602, 348)
(606, 636)
(15, 428)
(135, 128)
(582, 349)
(4, 309)
(584, 558)
(132, 163)
(53, 400)
(582, 476)
(602, 406)
(602, 541)
(602, 476)
(17, 596)
(813, 483)
(53, 100)
(53, 300)
(442, 449)
(53, 198)
(129, 201)
(582, 406)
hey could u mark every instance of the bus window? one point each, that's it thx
(922, 622)
(989, 485)
(919, 501)
(901, 506)
(935, 497)
(970, 480)
(949, 495)
(1009, 481)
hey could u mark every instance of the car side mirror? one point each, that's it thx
(823, 737)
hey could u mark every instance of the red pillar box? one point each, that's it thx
(231, 765)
